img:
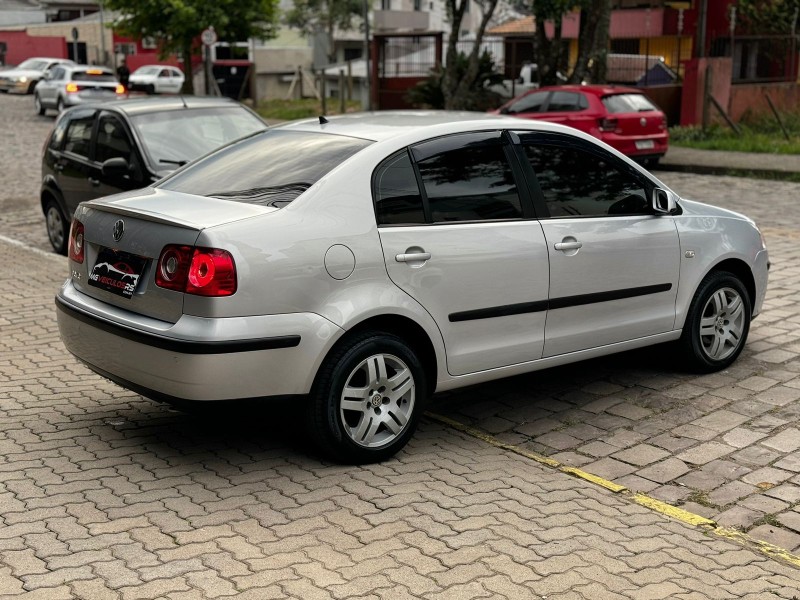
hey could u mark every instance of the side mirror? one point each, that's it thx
(664, 201)
(115, 167)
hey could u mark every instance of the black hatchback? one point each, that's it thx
(101, 149)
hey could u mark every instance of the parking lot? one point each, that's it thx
(106, 494)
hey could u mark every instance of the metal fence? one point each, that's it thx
(758, 59)
(407, 56)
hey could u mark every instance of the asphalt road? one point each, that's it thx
(106, 494)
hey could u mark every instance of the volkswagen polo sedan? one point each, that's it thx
(361, 264)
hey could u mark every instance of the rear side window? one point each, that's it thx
(397, 197)
(272, 168)
(567, 102)
(624, 103)
(472, 181)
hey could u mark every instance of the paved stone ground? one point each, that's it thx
(106, 494)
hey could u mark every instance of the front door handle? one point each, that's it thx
(568, 246)
(413, 257)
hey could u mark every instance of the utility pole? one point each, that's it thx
(367, 71)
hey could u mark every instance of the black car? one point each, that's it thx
(101, 149)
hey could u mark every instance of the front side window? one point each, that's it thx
(469, 181)
(79, 135)
(579, 183)
(112, 140)
(529, 104)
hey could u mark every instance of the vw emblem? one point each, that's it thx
(643, 122)
(119, 229)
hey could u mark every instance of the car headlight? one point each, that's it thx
(22, 79)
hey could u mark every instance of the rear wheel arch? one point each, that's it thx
(406, 329)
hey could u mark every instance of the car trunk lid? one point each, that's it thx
(124, 236)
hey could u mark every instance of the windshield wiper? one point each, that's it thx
(180, 163)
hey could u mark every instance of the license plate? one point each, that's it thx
(645, 145)
(117, 272)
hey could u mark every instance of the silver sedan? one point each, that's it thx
(363, 263)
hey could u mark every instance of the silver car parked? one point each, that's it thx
(23, 78)
(64, 86)
(363, 264)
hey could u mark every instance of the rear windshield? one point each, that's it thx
(270, 169)
(625, 103)
(172, 138)
(90, 76)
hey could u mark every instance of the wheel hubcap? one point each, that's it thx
(55, 227)
(377, 401)
(722, 324)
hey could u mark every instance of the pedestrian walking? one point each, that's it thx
(124, 74)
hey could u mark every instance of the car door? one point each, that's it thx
(113, 140)
(459, 236)
(73, 165)
(614, 263)
(164, 81)
(47, 88)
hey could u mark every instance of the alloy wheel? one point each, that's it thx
(722, 324)
(55, 227)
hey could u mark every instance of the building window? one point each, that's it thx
(125, 49)
(149, 43)
(417, 5)
(386, 4)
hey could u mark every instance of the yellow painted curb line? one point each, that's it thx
(658, 506)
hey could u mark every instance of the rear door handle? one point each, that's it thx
(58, 167)
(568, 245)
(94, 182)
(413, 257)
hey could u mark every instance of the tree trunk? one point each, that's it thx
(550, 51)
(455, 9)
(592, 41)
(188, 80)
(473, 66)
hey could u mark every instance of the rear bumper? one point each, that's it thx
(196, 358)
(628, 144)
(76, 99)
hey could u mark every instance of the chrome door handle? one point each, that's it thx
(416, 256)
(567, 245)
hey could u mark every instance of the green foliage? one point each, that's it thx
(176, 23)
(312, 16)
(760, 17)
(430, 94)
(759, 134)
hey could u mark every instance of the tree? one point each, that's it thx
(324, 16)
(456, 83)
(759, 17)
(176, 24)
(593, 42)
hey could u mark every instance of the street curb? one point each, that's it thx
(772, 174)
(707, 525)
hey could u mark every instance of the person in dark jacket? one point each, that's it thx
(124, 74)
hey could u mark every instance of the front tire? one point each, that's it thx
(57, 229)
(366, 401)
(37, 105)
(60, 106)
(717, 323)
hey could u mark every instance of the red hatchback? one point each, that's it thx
(622, 117)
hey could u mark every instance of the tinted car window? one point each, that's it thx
(89, 76)
(575, 182)
(469, 183)
(112, 140)
(566, 102)
(530, 103)
(79, 135)
(272, 168)
(622, 103)
(58, 134)
(175, 137)
(397, 197)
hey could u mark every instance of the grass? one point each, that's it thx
(758, 134)
(288, 110)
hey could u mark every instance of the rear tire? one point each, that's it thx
(717, 323)
(37, 105)
(60, 106)
(367, 399)
(57, 229)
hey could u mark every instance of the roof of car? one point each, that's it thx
(597, 89)
(384, 125)
(136, 106)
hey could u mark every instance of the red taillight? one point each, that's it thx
(76, 241)
(199, 271)
(663, 125)
(120, 89)
(72, 87)
(608, 124)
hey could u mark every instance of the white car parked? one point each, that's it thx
(156, 79)
(361, 264)
(23, 78)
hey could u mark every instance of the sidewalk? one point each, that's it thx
(717, 162)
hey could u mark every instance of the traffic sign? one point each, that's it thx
(209, 36)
